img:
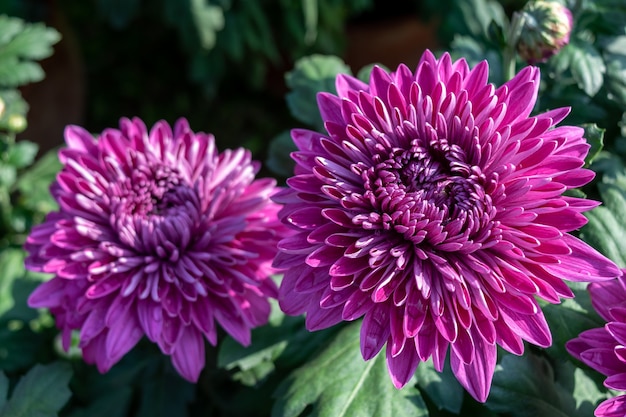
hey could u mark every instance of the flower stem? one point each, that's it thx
(509, 53)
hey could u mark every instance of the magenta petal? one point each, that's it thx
(321, 318)
(613, 407)
(188, 357)
(616, 382)
(402, 366)
(607, 295)
(476, 377)
(374, 332)
(48, 294)
(122, 338)
(584, 264)
(233, 323)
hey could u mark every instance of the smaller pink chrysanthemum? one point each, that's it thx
(157, 234)
(604, 348)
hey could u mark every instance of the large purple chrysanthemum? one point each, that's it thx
(604, 348)
(434, 209)
(157, 234)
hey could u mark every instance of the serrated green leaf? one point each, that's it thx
(14, 73)
(524, 386)
(42, 392)
(442, 387)
(338, 383)
(311, 75)
(20, 44)
(9, 27)
(33, 42)
(595, 138)
(4, 390)
(587, 66)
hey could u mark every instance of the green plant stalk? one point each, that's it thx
(509, 54)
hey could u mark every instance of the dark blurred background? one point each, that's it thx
(220, 63)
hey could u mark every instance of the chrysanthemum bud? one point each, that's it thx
(546, 27)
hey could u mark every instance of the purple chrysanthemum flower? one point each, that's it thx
(157, 234)
(434, 209)
(604, 348)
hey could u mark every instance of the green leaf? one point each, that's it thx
(474, 52)
(283, 343)
(164, 396)
(524, 386)
(595, 138)
(568, 319)
(576, 382)
(34, 41)
(42, 392)
(34, 183)
(606, 230)
(22, 154)
(442, 387)
(587, 66)
(9, 28)
(615, 58)
(4, 389)
(14, 73)
(338, 383)
(364, 72)
(8, 174)
(311, 75)
(14, 105)
(114, 403)
(20, 44)
(278, 159)
(12, 267)
(478, 15)
(208, 20)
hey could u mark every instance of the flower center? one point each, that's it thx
(151, 190)
(413, 190)
(154, 209)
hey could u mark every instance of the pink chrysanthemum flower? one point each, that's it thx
(157, 234)
(604, 348)
(433, 208)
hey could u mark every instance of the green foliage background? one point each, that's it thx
(248, 71)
